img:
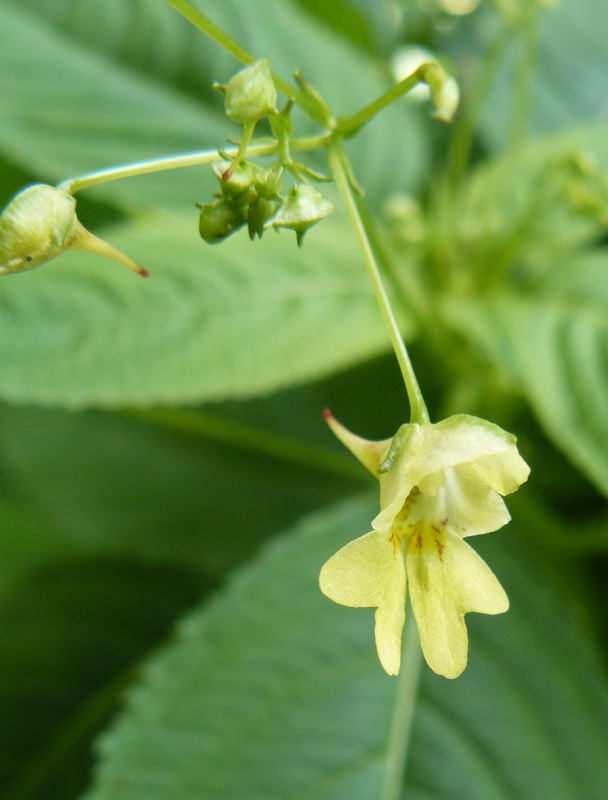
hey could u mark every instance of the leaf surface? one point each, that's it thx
(553, 347)
(211, 322)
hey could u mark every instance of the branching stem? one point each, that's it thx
(72, 185)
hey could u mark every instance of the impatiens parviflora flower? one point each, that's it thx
(39, 223)
(438, 485)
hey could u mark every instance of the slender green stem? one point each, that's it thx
(248, 437)
(72, 185)
(348, 125)
(248, 129)
(403, 713)
(419, 412)
(204, 24)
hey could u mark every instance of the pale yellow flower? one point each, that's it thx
(438, 484)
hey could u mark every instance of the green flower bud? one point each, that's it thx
(260, 211)
(267, 182)
(301, 209)
(239, 183)
(218, 220)
(445, 93)
(39, 223)
(251, 94)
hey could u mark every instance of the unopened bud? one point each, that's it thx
(445, 93)
(238, 184)
(260, 211)
(251, 93)
(218, 220)
(267, 182)
(39, 223)
(301, 209)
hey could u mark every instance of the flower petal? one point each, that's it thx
(467, 504)
(463, 439)
(447, 580)
(371, 572)
(505, 472)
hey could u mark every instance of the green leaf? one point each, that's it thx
(71, 636)
(27, 543)
(114, 485)
(273, 692)
(553, 347)
(65, 110)
(210, 322)
(529, 205)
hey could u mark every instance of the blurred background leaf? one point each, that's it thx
(568, 78)
(201, 328)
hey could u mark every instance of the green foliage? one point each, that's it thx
(86, 334)
(288, 690)
(570, 74)
(120, 512)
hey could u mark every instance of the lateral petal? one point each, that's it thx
(448, 580)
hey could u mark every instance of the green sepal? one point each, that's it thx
(395, 450)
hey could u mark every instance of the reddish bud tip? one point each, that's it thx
(227, 175)
(327, 415)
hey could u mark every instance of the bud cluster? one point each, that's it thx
(251, 195)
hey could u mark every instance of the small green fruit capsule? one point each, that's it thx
(238, 182)
(36, 225)
(251, 94)
(218, 220)
(302, 208)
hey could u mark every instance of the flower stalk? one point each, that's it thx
(418, 408)
(406, 696)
